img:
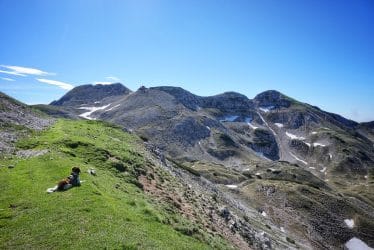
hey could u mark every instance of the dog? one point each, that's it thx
(66, 183)
(61, 186)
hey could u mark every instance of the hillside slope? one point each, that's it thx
(109, 210)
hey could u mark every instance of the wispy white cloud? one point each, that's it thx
(7, 79)
(103, 83)
(113, 78)
(62, 85)
(22, 71)
(11, 73)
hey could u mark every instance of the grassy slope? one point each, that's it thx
(108, 211)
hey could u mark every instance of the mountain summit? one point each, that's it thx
(91, 93)
(272, 98)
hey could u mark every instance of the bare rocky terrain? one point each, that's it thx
(16, 119)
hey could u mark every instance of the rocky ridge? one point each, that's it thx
(17, 118)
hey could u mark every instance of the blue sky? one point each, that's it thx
(319, 52)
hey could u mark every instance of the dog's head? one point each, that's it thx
(76, 170)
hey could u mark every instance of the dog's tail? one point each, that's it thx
(51, 190)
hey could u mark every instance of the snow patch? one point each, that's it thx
(350, 223)
(263, 213)
(279, 125)
(97, 102)
(365, 176)
(282, 229)
(115, 106)
(357, 244)
(307, 143)
(316, 144)
(312, 167)
(252, 126)
(232, 186)
(298, 159)
(208, 128)
(260, 234)
(330, 155)
(323, 170)
(229, 118)
(91, 110)
(292, 136)
(248, 121)
(260, 154)
(314, 133)
(266, 109)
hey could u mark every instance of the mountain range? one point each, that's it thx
(270, 172)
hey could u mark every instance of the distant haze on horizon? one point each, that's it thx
(318, 52)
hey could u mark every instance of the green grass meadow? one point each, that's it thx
(108, 211)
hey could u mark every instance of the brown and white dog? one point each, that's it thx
(66, 183)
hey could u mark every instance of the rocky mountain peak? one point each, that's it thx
(90, 93)
(232, 94)
(272, 98)
(228, 102)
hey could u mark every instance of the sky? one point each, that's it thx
(316, 51)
